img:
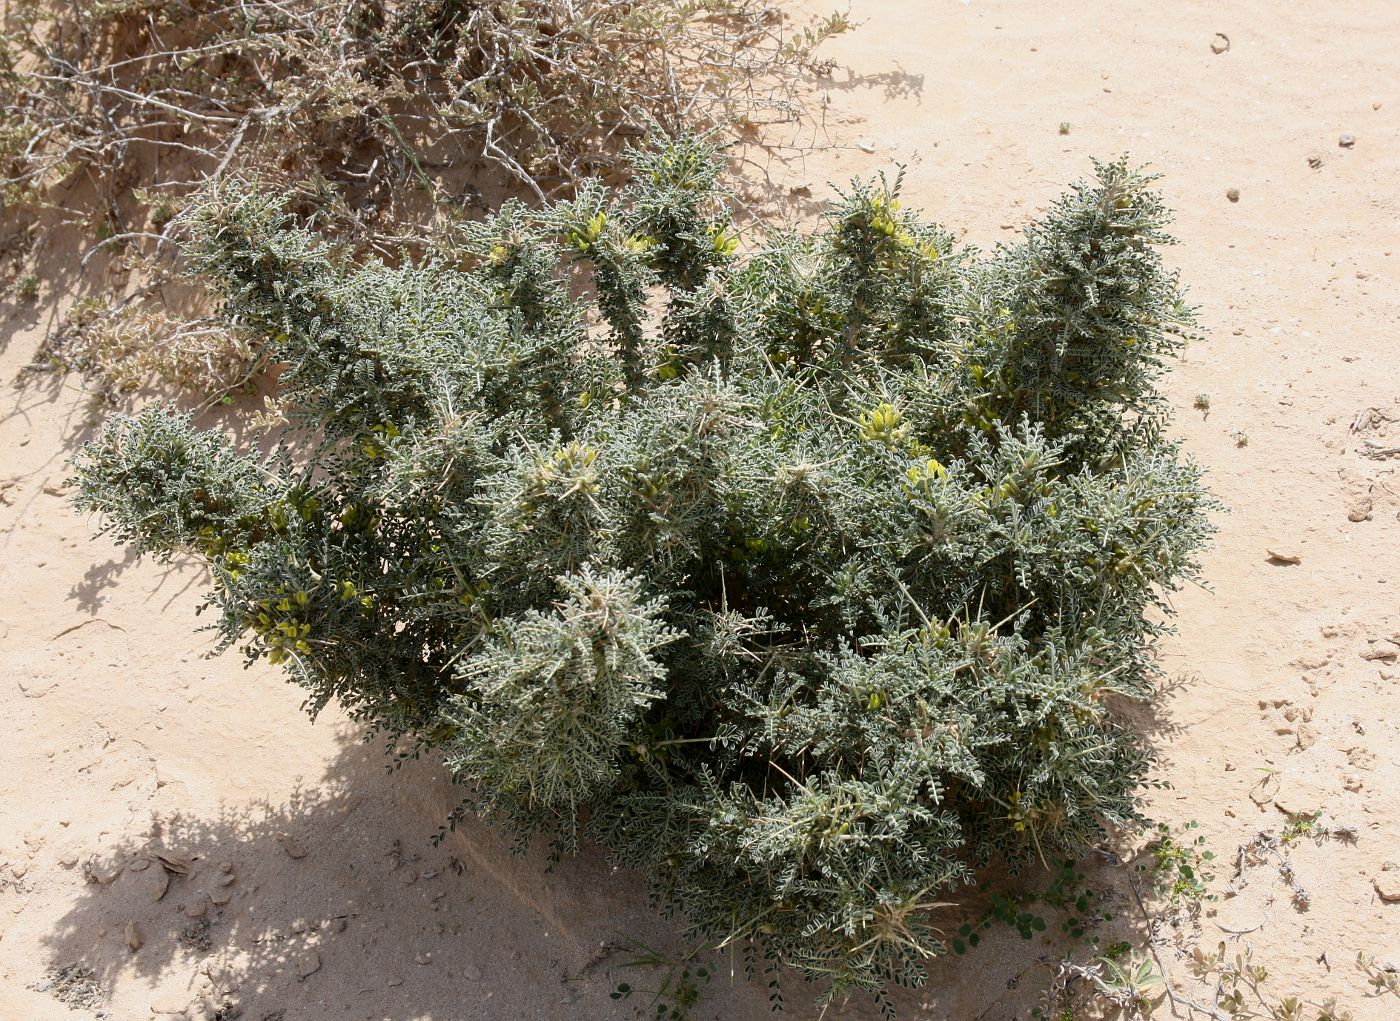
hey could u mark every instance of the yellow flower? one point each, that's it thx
(725, 242)
(585, 237)
(884, 424)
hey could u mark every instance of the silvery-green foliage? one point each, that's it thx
(548, 702)
(812, 578)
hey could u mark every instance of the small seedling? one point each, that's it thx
(682, 982)
(1180, 867)
(1202, 403)
(1300, 826)
(1241, 990)
(1384, 978)
(1064, 127)
(27, 287)
(1130, 988)
(1067, 894)
(1133, 983)
(1310, 824)
(1270, 848)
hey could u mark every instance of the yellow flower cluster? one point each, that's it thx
(884, 424)
(279, 624)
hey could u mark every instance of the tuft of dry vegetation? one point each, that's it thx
(74, 985)
(383, 93)
(383, 119)
(121, 347)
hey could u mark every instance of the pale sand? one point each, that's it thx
(114, 719)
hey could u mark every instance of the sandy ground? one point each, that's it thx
(299, 876)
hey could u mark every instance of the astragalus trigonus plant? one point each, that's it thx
(806, 580)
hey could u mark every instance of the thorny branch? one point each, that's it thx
(545, 90)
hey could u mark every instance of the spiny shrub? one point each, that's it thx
(805, 580)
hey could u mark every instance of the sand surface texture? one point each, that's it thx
(179, 826)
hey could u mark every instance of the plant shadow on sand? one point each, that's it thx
(336, 904)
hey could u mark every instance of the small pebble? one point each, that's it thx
(1220, 43)
(308, 964)
(1387, 883)
(1346, 140)
(1315, 161)
(1233, 194)
(102, 873)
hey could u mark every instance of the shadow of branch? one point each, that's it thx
(335, 903)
